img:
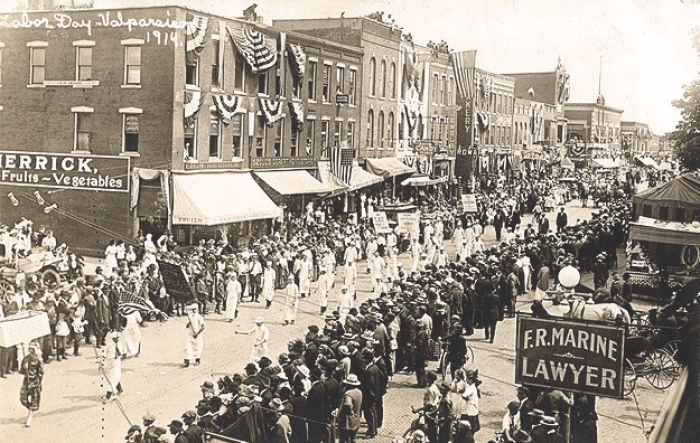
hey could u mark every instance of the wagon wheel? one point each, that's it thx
(5, 287)
(640, 319)
(630, 377)
(672, 349)
(658, 368)
(50, 279)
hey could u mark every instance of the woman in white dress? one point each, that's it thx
(268, 284)
(110, 259)
(304, 275)
(291, 301)
(131, 335)
(233, 294)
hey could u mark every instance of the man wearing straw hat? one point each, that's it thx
(349, 410)
(261, 339)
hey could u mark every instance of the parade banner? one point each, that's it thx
(570, 355)
(64, 171)
(469, 203)
(409, 223)
(23, 327)
(176, 282)
(381, 223)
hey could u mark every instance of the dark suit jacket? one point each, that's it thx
(317, 408)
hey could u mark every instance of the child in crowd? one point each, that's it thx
(62, 332)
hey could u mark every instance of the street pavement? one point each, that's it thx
(72, 411)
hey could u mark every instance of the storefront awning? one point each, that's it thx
(607, 163)
(423, 181)
(661, 231)
(360, 177)
(295, 182)
(647, 161)
(215, 198)
(387, 167)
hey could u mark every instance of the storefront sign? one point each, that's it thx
(64, 171)
(571, 356)
(469, 203)
(381, 223)
(409, 223)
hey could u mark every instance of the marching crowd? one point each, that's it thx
(339, 372)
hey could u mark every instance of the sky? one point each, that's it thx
(640, 49)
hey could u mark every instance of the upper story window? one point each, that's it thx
(83, 60)
(311, 73)
(392, 78)
(351, 135)
(450, 90)
(192, 72)
(190, 139)
(382, 78)
(340, 78)
(370, 129)
(130, 129)
(326, 88)
(372, 76)
(214, 134)
(217, 68)
(310, 137)
(37, 62)
(81, 132)
(325, 127)
(239, 73)
(380, 130)
(260, 133)
(390, 133)
(132, 61)
(263, 81)
(352, 85)
(436, 86)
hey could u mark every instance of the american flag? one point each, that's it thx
(129, 303)
(341, 162)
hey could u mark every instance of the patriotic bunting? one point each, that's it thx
(411, 70)
(341, 162)
(297, 60)
(196, 35)
(257, 49)
(228, 106)
(192, 101)
(482, 121)
(296, 110)
(487, 86)
(129, 303)
(271, 109)
(463, 65)
(411, 117)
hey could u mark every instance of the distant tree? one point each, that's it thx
(687, 134)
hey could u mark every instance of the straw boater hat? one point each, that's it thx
(259, 320)
(352, 380)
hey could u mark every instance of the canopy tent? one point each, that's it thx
(567, 164)
(387, 167)
(214, 198)
(296, 182)
(360, 177)
(682, 191)
(423, 180)
(647, 161)
(608, 163)
(661, 231)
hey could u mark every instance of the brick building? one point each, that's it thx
(181, 115)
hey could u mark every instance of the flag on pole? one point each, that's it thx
(341, 162)
(129, 303)
(463, 64)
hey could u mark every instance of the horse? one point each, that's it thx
(597, 311)
(579, 309)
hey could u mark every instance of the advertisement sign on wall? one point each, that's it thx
(64, 171)
(570, 355)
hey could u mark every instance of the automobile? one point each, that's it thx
(51, 269)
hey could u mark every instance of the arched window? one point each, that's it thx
(380, 129)
(372, 76)
(382, 84)
(393, 80)
(370, 129)
(390, 134)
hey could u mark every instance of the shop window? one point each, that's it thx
(131, 133)
(237, 138)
